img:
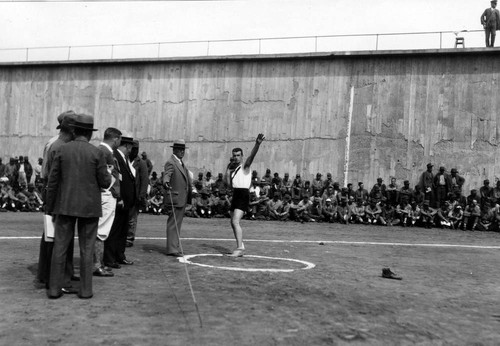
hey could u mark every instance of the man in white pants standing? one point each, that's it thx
(239, 177)
(109, 198)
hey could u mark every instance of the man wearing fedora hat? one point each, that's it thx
(177, 183)
(115, 244)
(47, 242)
(77, 175)
(490, 20)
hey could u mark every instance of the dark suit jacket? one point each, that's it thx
(180, 181)
(447, 181)
(127, 182)
(490, 17)
(76, 177)
(141, 178)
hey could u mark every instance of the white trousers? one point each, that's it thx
(108, 203)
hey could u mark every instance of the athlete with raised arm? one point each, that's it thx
(239, 177)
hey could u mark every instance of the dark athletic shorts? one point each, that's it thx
(241, 199)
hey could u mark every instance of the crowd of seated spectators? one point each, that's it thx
(20, 190)
(436, 200)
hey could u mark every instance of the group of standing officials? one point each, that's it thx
(95, 190)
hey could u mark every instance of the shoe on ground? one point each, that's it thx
(69, 290)
(55, 297)
(103, 273)
(126, 262)
(114, 265)
(236, 253)
(387, 273)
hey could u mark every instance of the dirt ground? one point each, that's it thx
(449, 294)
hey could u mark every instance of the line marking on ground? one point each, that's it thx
(494, 247)
(308, 265)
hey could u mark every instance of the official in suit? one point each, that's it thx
(47, 241)
(76, 178)
(114, 246)
(141, 190)
(490, 20)
(177, 183)
(109, 198)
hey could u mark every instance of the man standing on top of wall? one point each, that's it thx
(490, 20)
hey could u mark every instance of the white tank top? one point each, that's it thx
(240, 179)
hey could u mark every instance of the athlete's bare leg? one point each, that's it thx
(236, 217)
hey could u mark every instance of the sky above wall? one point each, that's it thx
(74, 23)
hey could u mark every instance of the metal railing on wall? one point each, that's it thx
(257, 46)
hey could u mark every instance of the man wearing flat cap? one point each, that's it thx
(426, 183)
(47, 242)
(115, 244)
(177, 183)
(457, 181)
(442, 186)
(490, 20)
(77, 175)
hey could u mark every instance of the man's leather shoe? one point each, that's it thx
(55, 297)
(126, 262)
(388, 274)
(82, 297)
(175, 254)
(69, 290)
(103, 273)
(113, 265)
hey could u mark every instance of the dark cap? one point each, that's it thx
(83, 121)
(442, 168)
(430, 165)
(486, 181)
(380, 179)
(406, 182)
(179, 144)
(454, 170)
(319, 174)
(328, 174)
(61, 117)
(135, 143)
(297, 176)
(127, 140)
(68, 120)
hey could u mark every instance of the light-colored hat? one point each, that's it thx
(179, 144)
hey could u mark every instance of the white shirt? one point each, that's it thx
(241, 179)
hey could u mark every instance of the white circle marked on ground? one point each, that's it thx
(307, 265)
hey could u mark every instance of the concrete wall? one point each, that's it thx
(404, 110)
